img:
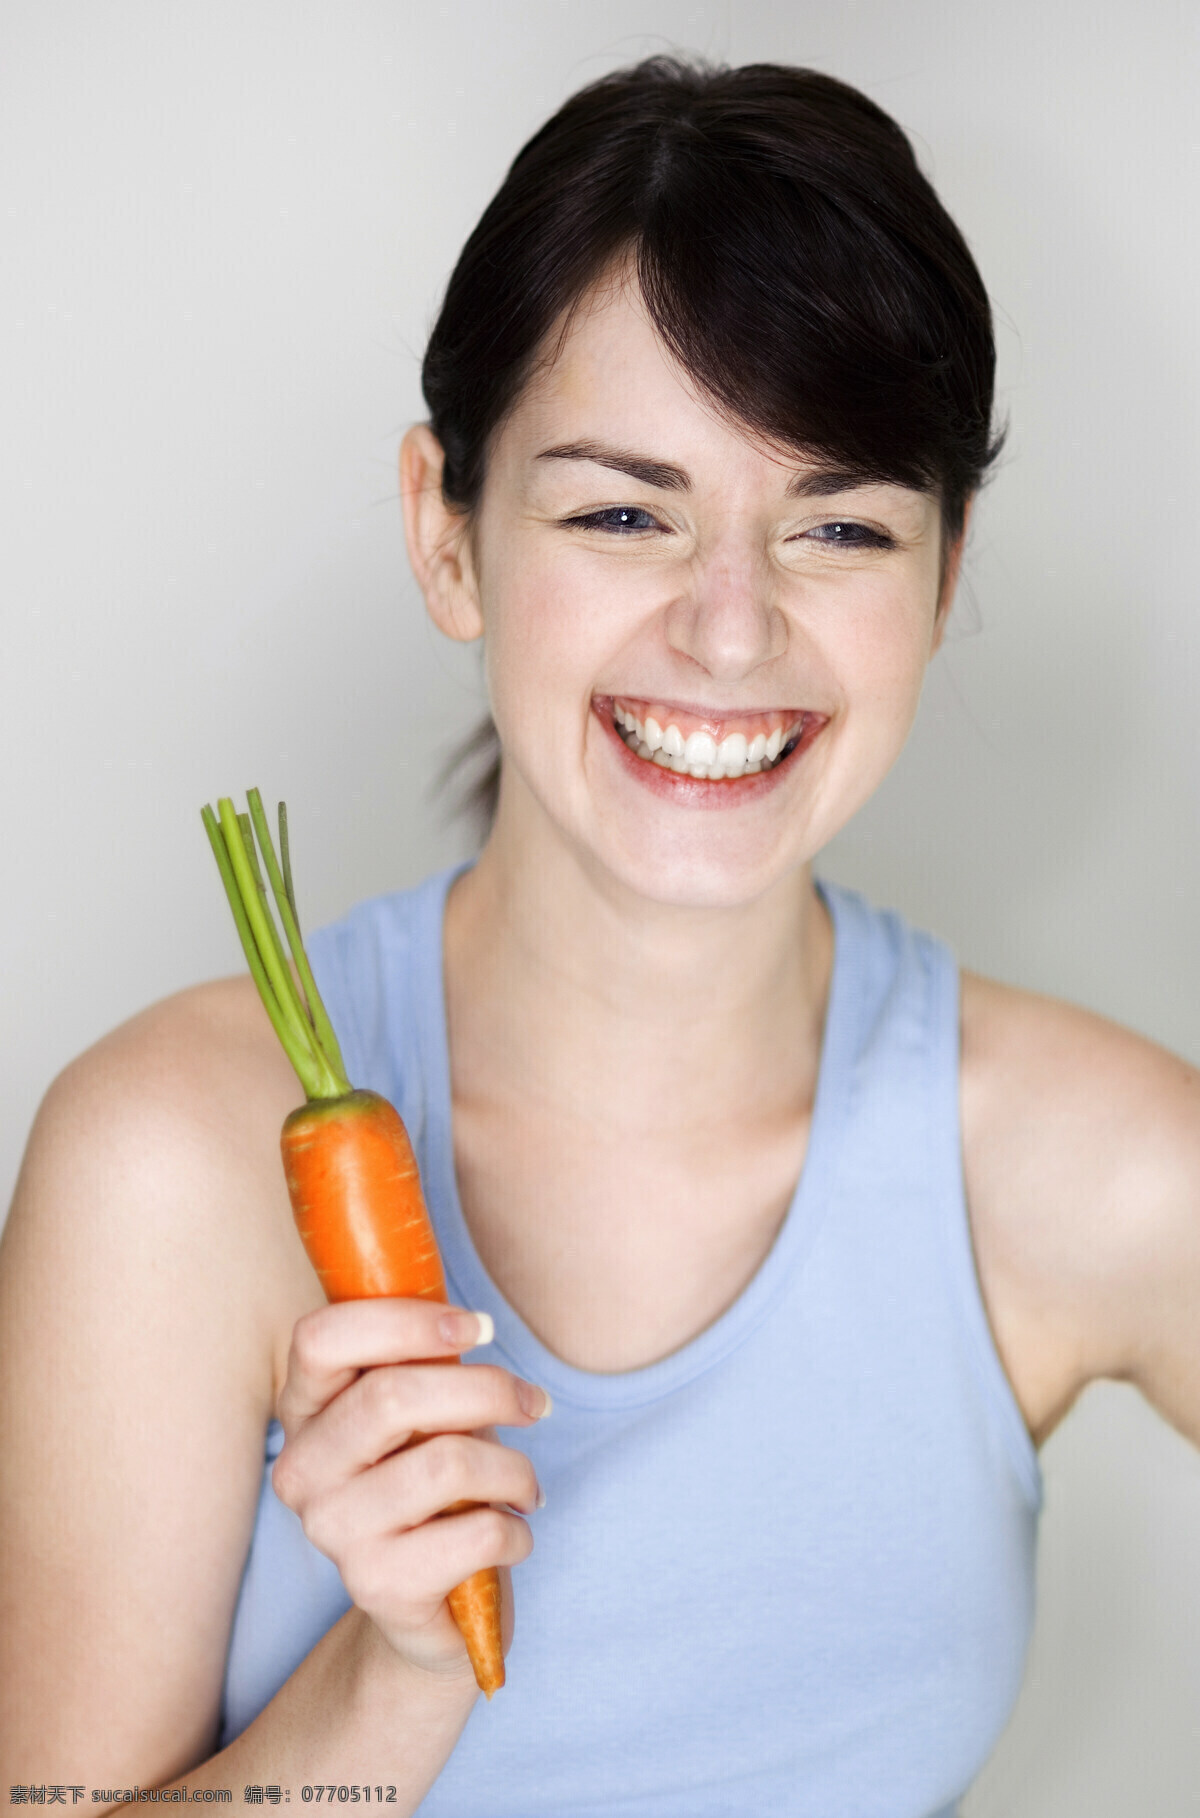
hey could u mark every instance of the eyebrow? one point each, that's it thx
(816, 483)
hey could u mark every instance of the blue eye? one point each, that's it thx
(851, 536)
(618, 518)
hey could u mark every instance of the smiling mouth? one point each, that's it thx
(711, 748)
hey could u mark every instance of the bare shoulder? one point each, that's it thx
(208, 1042)
(172, 1122)
(148, 1274)
(1082, 1158)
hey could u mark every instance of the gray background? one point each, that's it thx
(226, 228)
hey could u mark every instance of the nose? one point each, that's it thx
(727, 621)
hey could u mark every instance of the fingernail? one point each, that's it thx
(467, 1329)
(533, 1400)
(526, 1513)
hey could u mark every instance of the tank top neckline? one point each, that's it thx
(469, 1283)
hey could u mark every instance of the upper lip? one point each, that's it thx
(697, 709)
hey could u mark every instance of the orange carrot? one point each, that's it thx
(350, 1168)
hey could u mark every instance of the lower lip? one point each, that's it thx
(694, 791)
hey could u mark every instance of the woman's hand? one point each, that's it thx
(363, 1391)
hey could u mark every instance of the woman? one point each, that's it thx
(808, 1243)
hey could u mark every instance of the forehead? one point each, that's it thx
(605, 359)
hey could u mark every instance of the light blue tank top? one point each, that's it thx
(788, 1569)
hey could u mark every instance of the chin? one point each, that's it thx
(689, 874)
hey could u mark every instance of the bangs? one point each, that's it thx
(792, 257)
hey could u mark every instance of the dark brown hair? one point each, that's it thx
(791, 255)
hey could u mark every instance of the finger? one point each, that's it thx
(404, 1578)
(380, 1412)
(383, 1410)
(334, 1344)
(414, 1486)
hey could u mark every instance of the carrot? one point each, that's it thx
(350, 1169)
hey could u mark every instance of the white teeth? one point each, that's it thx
(699, 755)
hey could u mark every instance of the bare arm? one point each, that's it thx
(353, 1711)
(1083, 1156)
(147, 1273)
(134, 1392)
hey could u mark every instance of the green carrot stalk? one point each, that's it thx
(297, 1014)
(281, 886)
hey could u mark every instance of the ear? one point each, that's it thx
(954, 556)
(439, 544)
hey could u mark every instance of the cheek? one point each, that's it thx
(555, 623)
(894, 683)
(882, 662)
(539, 646)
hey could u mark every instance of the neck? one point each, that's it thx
(584, 1000)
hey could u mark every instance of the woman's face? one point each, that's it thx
(642, 573)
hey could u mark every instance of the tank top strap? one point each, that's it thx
(901, 1155)
(375, 971)
(901, 1043)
